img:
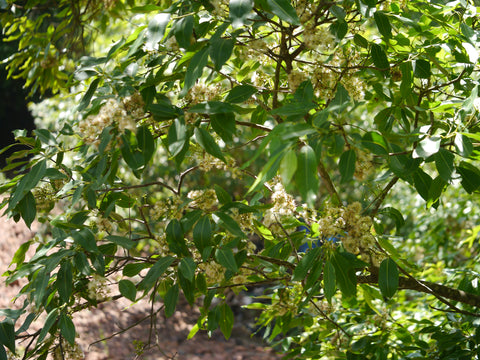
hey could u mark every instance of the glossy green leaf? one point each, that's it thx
(146, 143)
(122, 241)
(157, 270)
(407, 79)
(284, 10)
(177, 136)
(171, 299)
(224, 125)
(304, 92)
(228, 223)
(294, 109)
(183, 30)
(427, 147)
(470, 177)
(225, 320)
(47, 324)
(239, 12)
(195, 69)
(176, 238)
(376, 143)
(463, 145)
(133, 269)
(207, 142)
(220, 51)
(202, 233)
(27, 183)
(344, 275)
(383, 24)
(64, 281)
(156, 29)
(288, 166)
(86, 239)
(88, 95)
(346, 165)
(67, 328)
(388, 278)
(241, 93)
(3, 353)
(421, 69)
(163, 110)
(360, 41)
(444, 161)
(306, 176)
(379, 57)
(394, 214)
(226, 258)
(222, 196)
(329, 280)
(187, 267)
(212, 107)
(422, 182)
(7, 334)
(127, 289)
(28, 208)
(305, 264)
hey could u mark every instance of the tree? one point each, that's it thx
(213, 139)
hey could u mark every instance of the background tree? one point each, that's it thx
(213, 139)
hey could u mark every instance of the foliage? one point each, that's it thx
(211, 135)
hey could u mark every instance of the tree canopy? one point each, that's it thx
(326, 151)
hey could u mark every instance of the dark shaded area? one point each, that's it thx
(14, 113)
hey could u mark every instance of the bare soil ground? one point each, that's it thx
(169, 335)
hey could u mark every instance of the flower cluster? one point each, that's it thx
(166, 209)
(201, 92)
(318, 38)
(295, 78)
(364, 166)
(220, 8)
(203, 199)
(283, 205)
(65, 351)
(214, 272)
(134, 105)
(97, 288)
(45, 197)
(111, 113)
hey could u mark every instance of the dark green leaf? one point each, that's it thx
(360, 41)
(344, 275)
(175, 238)
(421, 69)
(28, 208)
(156, 29)
(202, 233)
(470, 176)
(394, 214)
(164, 111)
(388, 278)
(220, 51)
(241, 93)
(294, 109)
(383, 24)
(347, 165)
(436, 189)
(47, 324)
(88, 95)
(7, 334)
(121, 241)
(224, 125)
(239, 11)
(157, 270)
(177, 136)
(222, 196)
(67, 328)
(407, 79)
(133, 269)
(171, 298)
(305, 264)
(187, 267)
(64, 281)
(225, 320)
(86, 239)
(27, 183)
(422, 182)
(337, 11)
(444, 162)
(226, 258)
(231, 225)
(463, 145)
(375, 143)
(288, 166)
(339, 28)
(379, 57)
(195, 69)
(284, 10)
(304, 93)
(127, 289)
(306, 176)
(183, 30)
(207, 142)
(212, 107)
(329, 280)
(146, 143)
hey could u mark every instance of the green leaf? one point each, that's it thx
(225, 320)
(86, 239)
(294, 109)
(146, 143)
(304, 92)
(88, 95)
(283, 9)
(228, 223)
(157, 270)
(67, 328)
(177, 136)
(156, 29)
(463, 145)
(122, 241)
(383, 24)
(27, 183)
(183, 31)
(7, 334)
(133, 269)
(421, 69)
(470, 176)
(19, 256)
(239, 12)
(407, 79)
(444, 163)
(306, 176)
(195, 69)
(375, 143)
(224, 125)
(288, 166)
(222, 196)
(394, 214)
(422, 182)
(127, 289)
(202, 233)
(220, 51)
(47, 324)
(212, 107)
(388, 278)
(226, 258)
(64, 281)
(338, 12)
(3, 353)
(171, 299)
(28, 208)
(435, 191)
(207, 142)
(187, 267)
(427, 147)
(329, 280)
(360, 41)
(347, 165)
(240, 94)
(344, 275)
(163, 110)
(305, 264)
(379, 57)
(175, 238)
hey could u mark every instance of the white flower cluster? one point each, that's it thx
(318, 38)
(203, 199)
(295, 78)
(97, 288)
(201, 92)
(220, 8)
(214, 272)
(111, 113)
(283, 205)
(244, 220)
(167, 209)
(364, 166)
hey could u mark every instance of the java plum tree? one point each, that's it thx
(194, 146)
